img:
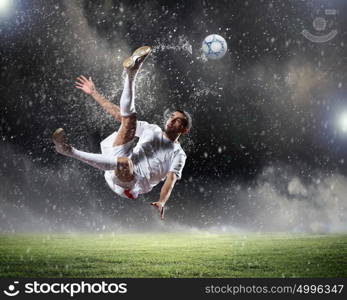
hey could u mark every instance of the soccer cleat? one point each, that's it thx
(61, 142)
(134, 62)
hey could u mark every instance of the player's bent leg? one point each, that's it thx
(100, 161)
(125, 169)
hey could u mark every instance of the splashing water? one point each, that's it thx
(182, 45)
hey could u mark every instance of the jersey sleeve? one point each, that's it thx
(178, 164)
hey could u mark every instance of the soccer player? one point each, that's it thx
(134, 168)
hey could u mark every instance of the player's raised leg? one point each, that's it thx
(132, 64)
(126, 132)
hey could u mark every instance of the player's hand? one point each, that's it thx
(86, 85)
(160, 207)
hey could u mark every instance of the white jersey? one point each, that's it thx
(154, 156)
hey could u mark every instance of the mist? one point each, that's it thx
(74, 198)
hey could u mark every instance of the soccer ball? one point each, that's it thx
(214, 46)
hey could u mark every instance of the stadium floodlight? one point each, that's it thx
(343, 121)
(4, 6)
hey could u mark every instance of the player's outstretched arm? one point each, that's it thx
(87, 86)
(165, 193)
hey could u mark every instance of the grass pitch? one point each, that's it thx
(173, 255)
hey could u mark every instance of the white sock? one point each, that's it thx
(127, 100)
(99, 161)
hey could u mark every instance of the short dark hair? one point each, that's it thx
(188, 121)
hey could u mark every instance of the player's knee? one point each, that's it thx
(125, 169)
(124, 164)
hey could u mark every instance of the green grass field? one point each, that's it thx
(173, 255)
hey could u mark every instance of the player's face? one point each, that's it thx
(176, 123)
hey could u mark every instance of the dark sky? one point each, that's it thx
(267, 150)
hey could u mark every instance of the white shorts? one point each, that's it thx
(129, 190)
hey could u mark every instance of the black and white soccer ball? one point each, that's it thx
(214, 46)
